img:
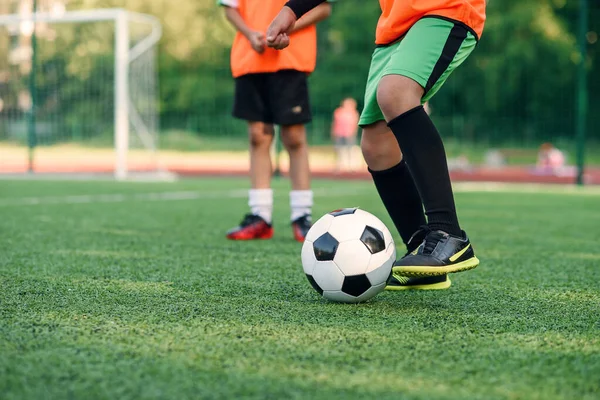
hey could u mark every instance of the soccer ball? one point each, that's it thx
(348, 255)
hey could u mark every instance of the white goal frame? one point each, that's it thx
(124, 114)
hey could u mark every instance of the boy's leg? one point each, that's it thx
(249, 105)
(301, 196)
(289, 103)
(348, 149)
(384, 158)
(400, 197)
(294, 141)
(260, 138)
(422, 61)
(392, 178)
(393, 181)
(339, 153)
(261, 169)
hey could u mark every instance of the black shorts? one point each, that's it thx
(279, 98)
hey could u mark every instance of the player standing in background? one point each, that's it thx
(419, 44)
(343, 132)
(271, 88)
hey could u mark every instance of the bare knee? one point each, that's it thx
(397, 94)
(260, 134)
(293, 137)
(379, 147)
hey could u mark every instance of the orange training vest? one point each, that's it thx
(301, 55)
(397, 16)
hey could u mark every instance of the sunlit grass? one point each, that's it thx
(146, 299)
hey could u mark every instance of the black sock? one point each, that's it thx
(425, 156)
(400, 198)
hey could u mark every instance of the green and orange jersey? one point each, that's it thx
(301, 55)
(398, 16)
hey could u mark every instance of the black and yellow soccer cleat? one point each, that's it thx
(439, 254)
(399, 282)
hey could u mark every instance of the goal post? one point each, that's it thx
(121, 94)
(89, 83)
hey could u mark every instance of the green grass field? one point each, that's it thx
(115, 291)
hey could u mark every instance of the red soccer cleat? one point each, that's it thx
(300, 227)
(252, 227)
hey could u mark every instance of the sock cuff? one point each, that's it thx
(405, 115)
(396, 168)
(301, 198)
(260, 197)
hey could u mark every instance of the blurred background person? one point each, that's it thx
(344, 131)
(550, 159)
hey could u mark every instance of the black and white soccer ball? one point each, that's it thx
(348, 255)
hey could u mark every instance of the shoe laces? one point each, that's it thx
(417, 238)
(432, 239)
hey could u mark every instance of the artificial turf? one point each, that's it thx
(129, 290)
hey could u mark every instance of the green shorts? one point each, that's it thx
(428, 54)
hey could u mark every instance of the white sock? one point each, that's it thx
(261, 203)
(301, 202)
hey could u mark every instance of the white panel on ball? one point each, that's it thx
(327, 275)
(347, 227)
(380, 266)
(319, 227)
(308, 257)
(339, 296)
(376, 223)
(380, 258)
(352, 257)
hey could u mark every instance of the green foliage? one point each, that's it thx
(132, 299)
(518, 86)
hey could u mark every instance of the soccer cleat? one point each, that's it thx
(439, 254)
(252, 227)
(301, 226)
(399, 282)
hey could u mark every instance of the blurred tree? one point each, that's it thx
(518, 86)
(570, 13)
(519, 83)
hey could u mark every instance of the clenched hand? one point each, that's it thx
(277, 33)
(257, 40)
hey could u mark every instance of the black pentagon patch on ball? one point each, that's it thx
(325, 247)
(373, 239)
(343, 211)
(355, 285)
(314, 284)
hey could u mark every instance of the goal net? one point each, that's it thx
(79, 92)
